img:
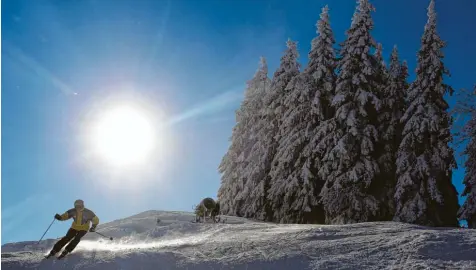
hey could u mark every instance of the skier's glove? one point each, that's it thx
(93, 229)
(58, 217)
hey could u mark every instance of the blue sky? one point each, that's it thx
(189, 60)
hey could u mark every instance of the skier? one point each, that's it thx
(80, 226)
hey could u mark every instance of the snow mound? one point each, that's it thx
(177, 243)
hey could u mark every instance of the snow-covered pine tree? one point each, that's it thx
(467, 107)
(424, 193)
(350, 168)
(290, 195)
(261, 83)
(321, 66)
(233, 187)
(390, 129)
(383, 150)
(468, 209)
(324, 136)
(294, 193)
(264, 149)
(229, 177)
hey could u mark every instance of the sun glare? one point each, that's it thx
(123, 136)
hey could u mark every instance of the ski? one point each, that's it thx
(48, 256)
(61, 256)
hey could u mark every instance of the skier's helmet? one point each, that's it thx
(79, 204)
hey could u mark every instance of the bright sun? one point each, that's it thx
(123, 136)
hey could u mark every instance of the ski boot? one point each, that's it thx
(51, 254)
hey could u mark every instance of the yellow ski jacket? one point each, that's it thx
(81, 218)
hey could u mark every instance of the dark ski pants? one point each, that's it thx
(72, 235)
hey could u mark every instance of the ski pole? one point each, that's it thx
(46, 231)
(110, 238)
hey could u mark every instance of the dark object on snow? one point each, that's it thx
(216, 210)
(80, 226)
(207, 208)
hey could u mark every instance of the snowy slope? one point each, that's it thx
(176, 243)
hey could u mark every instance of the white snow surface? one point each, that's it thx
(177, 243)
